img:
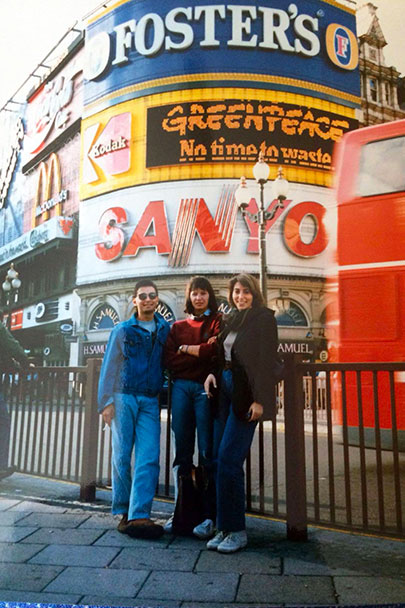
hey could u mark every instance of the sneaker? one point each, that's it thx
(233, 542)
(205, 529)
(214, 543)
(143, 528)
(168, 527)
(122, 526)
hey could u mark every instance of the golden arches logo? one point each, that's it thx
(49, 182)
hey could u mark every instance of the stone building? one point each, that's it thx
(379, 82)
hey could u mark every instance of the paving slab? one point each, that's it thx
(60, 536)
(99, 600)
(156, 558)
(32, 506)
(185, 542)
(75, 555)
(27, 577)
(10, 534)
(98, 581)
(295, 590)
(17, 552)
(188, 586)
(36, 597)
(53, 520)
(242, 562)
(366, 556)
(101, 520)
(309, 567)
(113, 538)
(9, 518)
(7, 503)
(369, 590)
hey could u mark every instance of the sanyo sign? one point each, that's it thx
(189, 225)
(128, 33)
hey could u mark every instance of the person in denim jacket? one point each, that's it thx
(131, 378)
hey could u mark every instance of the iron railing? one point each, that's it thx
(318, 461)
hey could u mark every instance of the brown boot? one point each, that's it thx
(143, 528)
(122, 526)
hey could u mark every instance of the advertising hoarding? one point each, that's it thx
(182, 227)
(134, 49)
(54, 107)
(202, 134)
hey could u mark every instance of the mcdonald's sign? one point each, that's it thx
(49, 192)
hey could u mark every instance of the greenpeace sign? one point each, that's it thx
(269, 38)
(236, 130)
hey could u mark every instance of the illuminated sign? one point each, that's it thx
(292, 229)
(342, 47)
(131, 46)
(55, 106)
(298, 348)
(16, 319)
(194, 218)
(49, 178)
(9, 160)
(93, 349)
(152, 230)
(105, 317)
(38, 236)
(165, 311)
(236, 130)
(107, 148)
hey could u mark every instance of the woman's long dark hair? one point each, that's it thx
(236, 318)
(247, 280)
(200, 282)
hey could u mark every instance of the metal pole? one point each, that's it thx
(262, 244)
(8, 309)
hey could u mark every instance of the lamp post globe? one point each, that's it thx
(242, 195)
(261, 171)
(10, 288)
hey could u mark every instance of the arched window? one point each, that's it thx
(291, 316)
(104, 317)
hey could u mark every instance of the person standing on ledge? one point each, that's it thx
(131, 378)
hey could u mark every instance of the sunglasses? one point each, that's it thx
(145, 296)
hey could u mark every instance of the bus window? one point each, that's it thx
(382, 167)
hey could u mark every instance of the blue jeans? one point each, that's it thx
(233, 438)
(191, 410)
(136, 424)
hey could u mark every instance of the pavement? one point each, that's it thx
(55, 549)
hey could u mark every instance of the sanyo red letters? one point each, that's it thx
(215, 233)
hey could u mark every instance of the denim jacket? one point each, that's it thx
(133, 361)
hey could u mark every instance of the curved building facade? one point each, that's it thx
(178, 104)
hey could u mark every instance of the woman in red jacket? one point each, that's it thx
(188, 354)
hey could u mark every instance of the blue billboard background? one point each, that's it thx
(263, 62)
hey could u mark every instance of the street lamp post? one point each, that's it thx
(261, 172)
(10, 287)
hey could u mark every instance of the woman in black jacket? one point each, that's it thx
(247, 352)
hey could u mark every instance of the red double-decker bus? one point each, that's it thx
(368, 321)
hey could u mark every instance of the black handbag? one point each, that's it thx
(279, 370)
(189, 510)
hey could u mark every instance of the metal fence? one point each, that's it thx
(311, 464)
(47, 408)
